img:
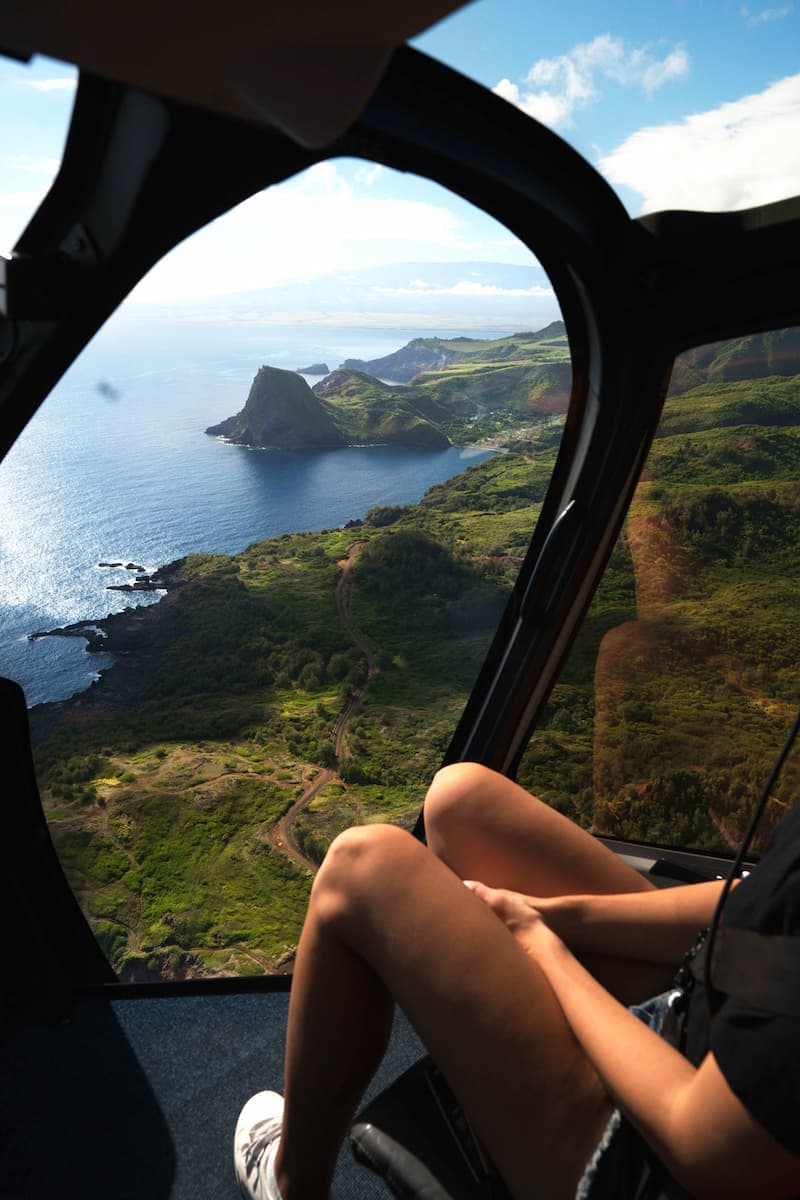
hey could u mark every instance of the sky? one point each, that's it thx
(681, 104)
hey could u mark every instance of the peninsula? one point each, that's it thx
(281, 411)
(346, 409)
(444, 391)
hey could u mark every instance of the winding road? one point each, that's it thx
(280, 836)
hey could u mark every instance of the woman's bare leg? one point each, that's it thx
(388, 920)
(486, 827)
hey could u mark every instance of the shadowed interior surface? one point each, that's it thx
(133, 1099)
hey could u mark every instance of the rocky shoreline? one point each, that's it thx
(97, 632)
(143, 581)
(135, 636)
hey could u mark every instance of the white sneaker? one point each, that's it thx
(255, 1142)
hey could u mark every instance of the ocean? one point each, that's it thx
(116, 467)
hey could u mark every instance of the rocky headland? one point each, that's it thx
(136, 637)
(345, 409)
(281, 411)
(421, 354)
(314, 369)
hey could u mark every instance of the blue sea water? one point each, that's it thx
(116, 467)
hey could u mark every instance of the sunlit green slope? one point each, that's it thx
(314, 681)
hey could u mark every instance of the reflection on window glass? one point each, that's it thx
(306, 531)
(682, 685)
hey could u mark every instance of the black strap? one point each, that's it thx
(757, 968)
(416, 1135)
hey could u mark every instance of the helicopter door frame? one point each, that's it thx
(135, 180)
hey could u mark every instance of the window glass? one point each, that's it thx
(35, 108)
(682, 683)
(296, 628)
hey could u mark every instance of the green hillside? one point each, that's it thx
(513, 389)
(367, 411)
(461, 390)
(314, 680)
(475, 388)
(490, 386)
(163, 783)
(677, 696)
(435, 353)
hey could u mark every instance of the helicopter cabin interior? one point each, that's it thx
(606, 612)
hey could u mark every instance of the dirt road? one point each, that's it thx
(281, 836)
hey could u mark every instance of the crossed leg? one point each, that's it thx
(391, 921)
(481, 822)
(486, 827)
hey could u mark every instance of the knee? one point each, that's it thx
(359, 866)
(360, 848)
(457, 798)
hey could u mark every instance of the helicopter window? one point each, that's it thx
(334, 594)
(683, 679)
(35, 108)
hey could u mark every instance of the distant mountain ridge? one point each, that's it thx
(431, 354)
(462, 296)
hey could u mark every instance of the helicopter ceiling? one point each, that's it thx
(306, 68)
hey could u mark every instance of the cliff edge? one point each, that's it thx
(281, 411)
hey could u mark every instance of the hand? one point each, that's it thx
(518, 913)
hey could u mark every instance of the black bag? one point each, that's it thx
(417, 1136)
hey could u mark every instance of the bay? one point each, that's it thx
(116, 467)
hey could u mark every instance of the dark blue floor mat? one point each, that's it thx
(138, 1099)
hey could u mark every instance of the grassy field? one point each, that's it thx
(162, 800)
(484, 389)
(683, 681)
(353, 651)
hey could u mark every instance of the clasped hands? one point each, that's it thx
(524, 916)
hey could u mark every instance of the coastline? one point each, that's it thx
(135, 636)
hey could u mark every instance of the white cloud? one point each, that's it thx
(28, 197)
(466, 287)
(38, 165)
(62, 83)
(15, 212)
(318, 224)
(743, 153)
(368, 175)
(322, 179)
(765, 15)
(555, 87)
(549, 109)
